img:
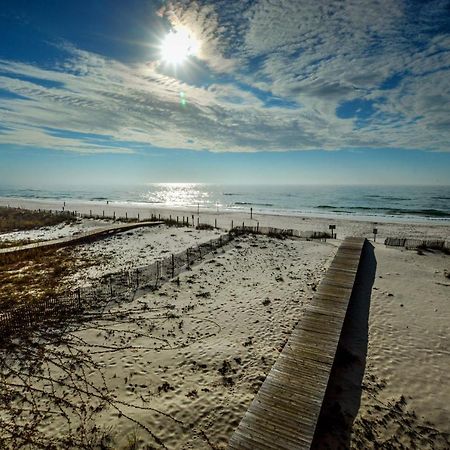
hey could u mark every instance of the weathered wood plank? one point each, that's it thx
(96, 233)
(284, 413)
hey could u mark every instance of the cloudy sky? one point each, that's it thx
(302, 91)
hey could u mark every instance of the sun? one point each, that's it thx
(178, 45)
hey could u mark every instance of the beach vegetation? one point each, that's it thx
(15, 219)
(36, 276)
(204, 226)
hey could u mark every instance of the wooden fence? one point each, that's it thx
(124, 284)
(120, 285)
(415, 243)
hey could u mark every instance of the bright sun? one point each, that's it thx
(178, 45)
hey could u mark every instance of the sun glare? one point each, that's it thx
(178, 45)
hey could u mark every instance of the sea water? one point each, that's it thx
(408, 202)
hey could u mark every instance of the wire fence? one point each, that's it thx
(120, 286)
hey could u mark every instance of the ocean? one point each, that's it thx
(431, 203)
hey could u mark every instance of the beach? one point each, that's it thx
(345, 226)
(177, 367)
(225, 225)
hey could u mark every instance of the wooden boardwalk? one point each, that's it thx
(284, 413)
(96, 233)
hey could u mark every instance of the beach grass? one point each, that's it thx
(15, 219)
(35, 277)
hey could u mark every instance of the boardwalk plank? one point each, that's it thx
(284, 412)
(96, 233)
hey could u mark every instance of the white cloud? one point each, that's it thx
(316, 55)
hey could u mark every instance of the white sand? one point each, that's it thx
(409, 337)
(52, 232)
(139, 247)
(344, 226)
(233, 312)
(214, 337)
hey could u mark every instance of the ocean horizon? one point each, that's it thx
(395, 202)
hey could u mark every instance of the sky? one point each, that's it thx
(308, 92)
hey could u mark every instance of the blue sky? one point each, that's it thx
(279, 92)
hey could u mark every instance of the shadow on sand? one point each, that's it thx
(343, 394)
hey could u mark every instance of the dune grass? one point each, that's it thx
(14, 219)
(35, 277)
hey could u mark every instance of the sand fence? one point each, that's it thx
(119, 286)
(418, 243)
(122, 285)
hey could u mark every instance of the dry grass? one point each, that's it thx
(39, 274)
(12, 219)
(36, 277)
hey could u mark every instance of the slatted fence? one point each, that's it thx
(120, 285)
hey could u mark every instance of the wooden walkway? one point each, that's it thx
(96, 233)
(284, 413)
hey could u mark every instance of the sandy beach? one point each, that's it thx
(225, 225)
(345, 226)
(177, 367)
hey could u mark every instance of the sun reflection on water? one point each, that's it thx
(178, 194)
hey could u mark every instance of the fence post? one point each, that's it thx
(231, 224)
(198, 222)
(138, 217)
(257, 227)
(173, 265)
(215, 223)
(159, 216)
(177, 220)
(157, 274)
(126, 214)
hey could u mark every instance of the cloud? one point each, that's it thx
(203, 22)
(281, 74)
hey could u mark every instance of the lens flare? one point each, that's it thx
(178, 45)
(182, 99)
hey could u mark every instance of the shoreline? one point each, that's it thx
(345, 226)
(121, 205)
